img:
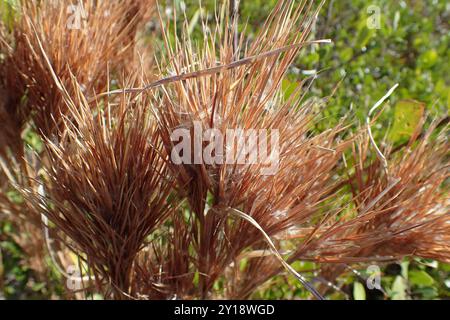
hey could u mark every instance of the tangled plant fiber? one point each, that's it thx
(145, 227)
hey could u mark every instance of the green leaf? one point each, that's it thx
(448, 100)
(97, 296)
(8, 10)
(364, 36)
(288, 88)
(38, 286)
(405, 267)
(243, 264)
(427, 293)
(346, 54)
(196, 279)
(428, 59)
(407, 116)
(359, 293)
(445, 267)
(34, 141)
(194, 21)
(420, 278)
(396, 20)
(447, 283)
(398, 290)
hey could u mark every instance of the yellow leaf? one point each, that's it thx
(407, 116)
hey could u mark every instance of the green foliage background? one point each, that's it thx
(411, 48)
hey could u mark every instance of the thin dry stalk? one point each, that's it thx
(106, 185)
(245, 97)
(95, 37)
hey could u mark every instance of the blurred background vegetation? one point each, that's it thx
(411, 47)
